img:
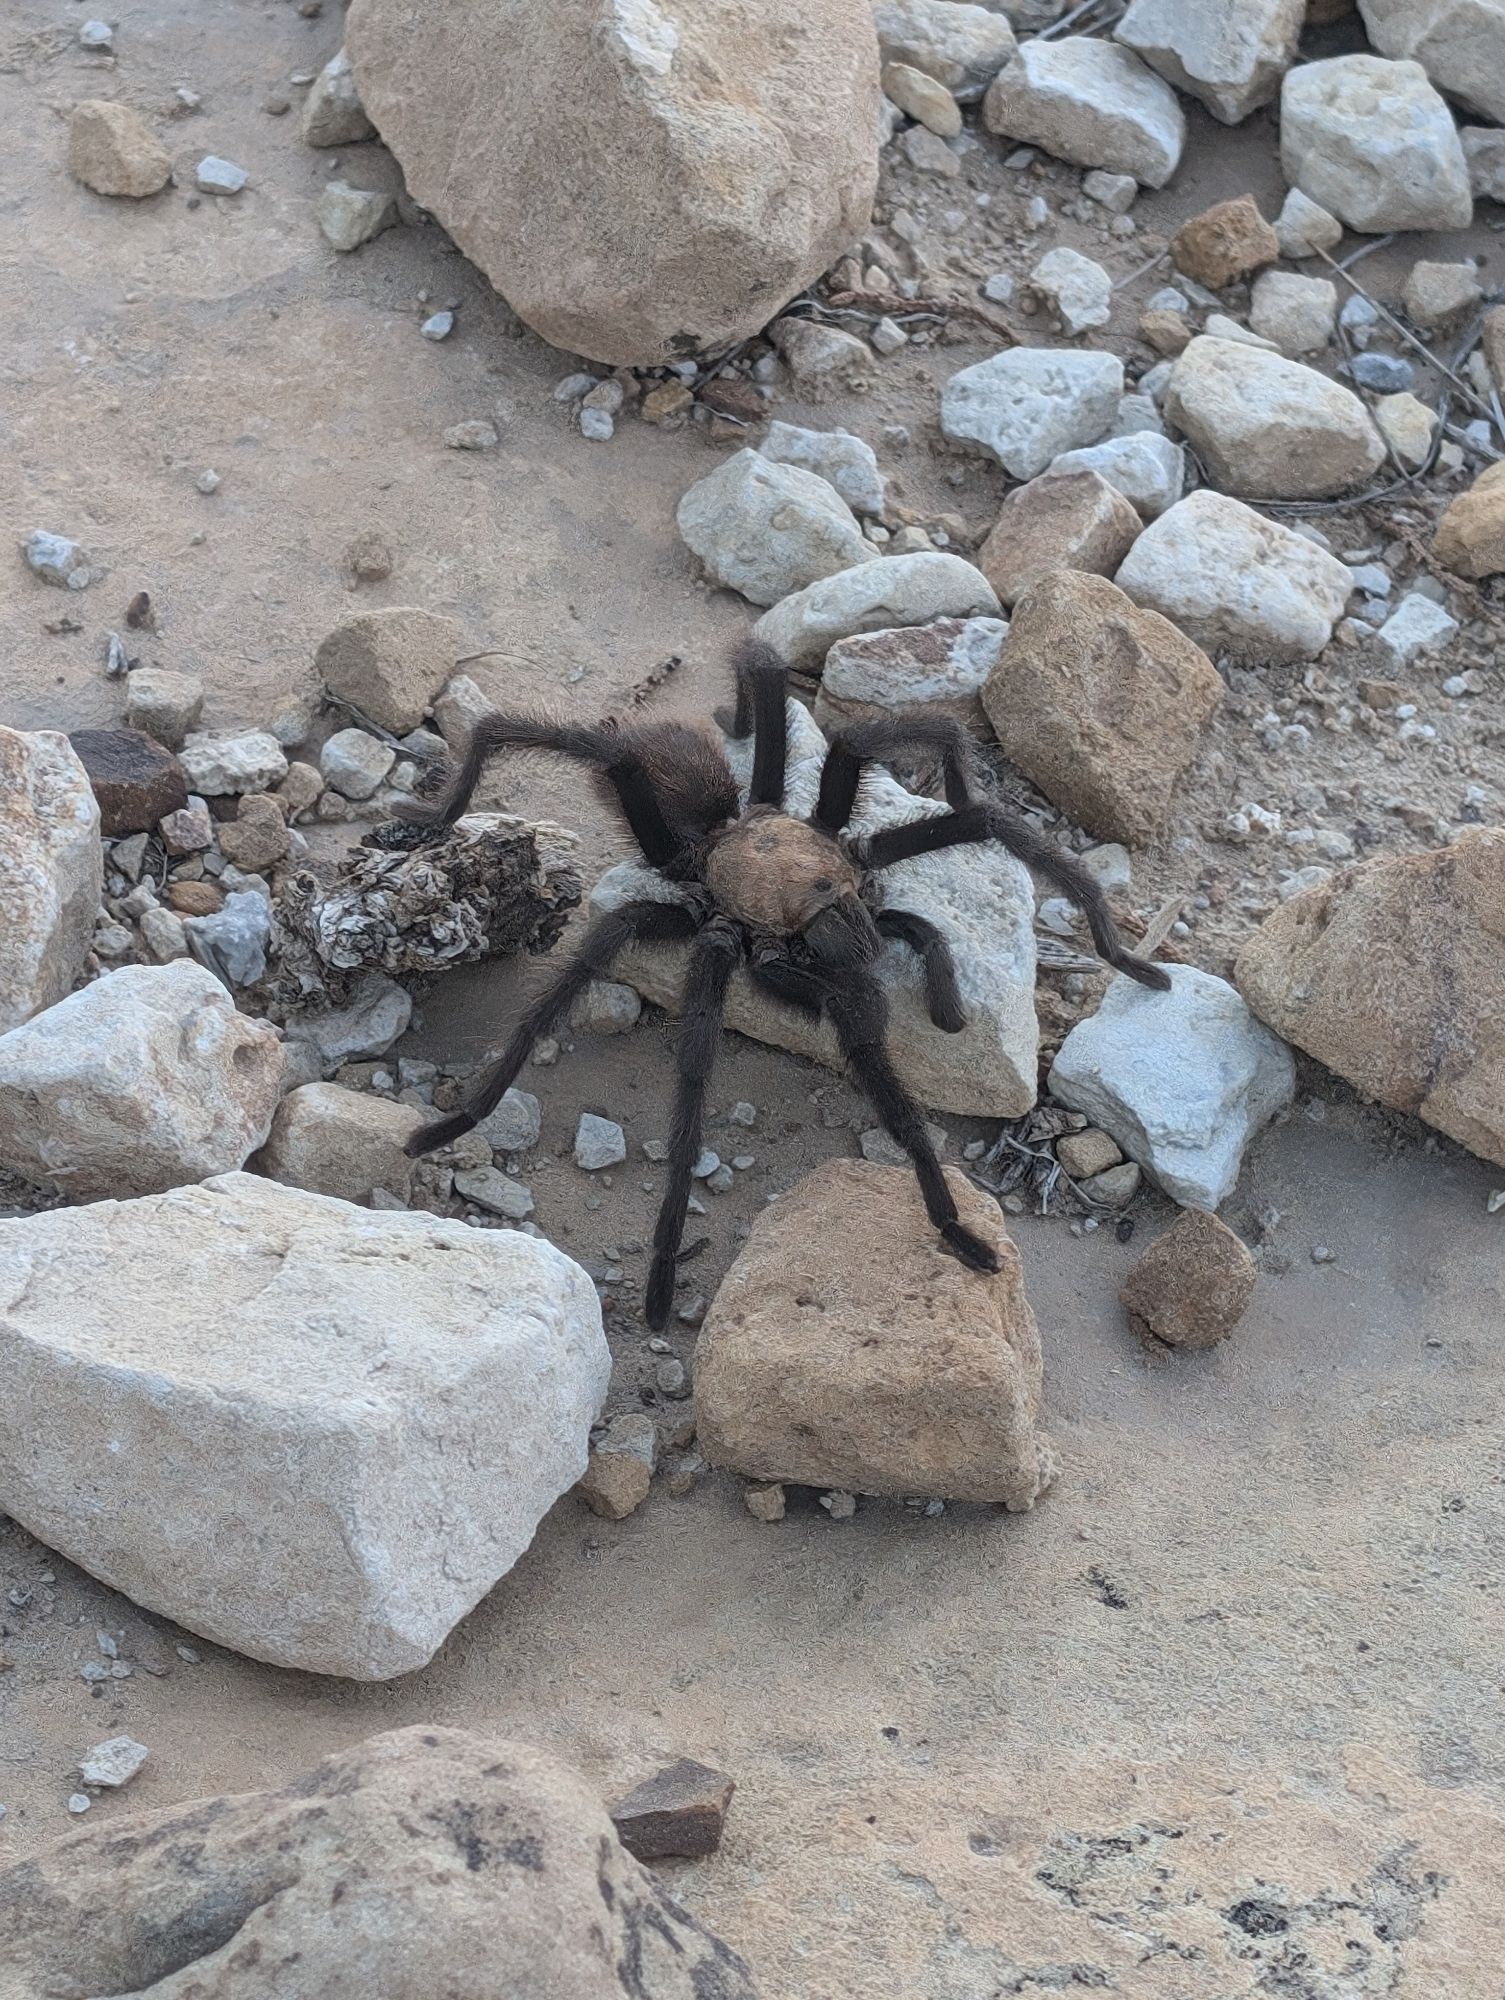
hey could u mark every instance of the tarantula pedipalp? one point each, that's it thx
(788, 898)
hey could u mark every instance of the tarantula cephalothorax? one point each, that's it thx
(791, 899)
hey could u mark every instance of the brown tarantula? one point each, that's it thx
(788, 898)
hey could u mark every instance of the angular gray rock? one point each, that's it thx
(940, 669)
(1144, 466)
(638, 182)
(1236, 582)
(845, 461)
(375, 1016)
(1228, 54)
(1029, 404)
(768, 529)
(219, 764)
(350, 216)
(981, 898)
(413, 1851)
(140, 1082)
(1268, 428)
(1075, 288)
(51, 871)
(1373, 143)
(1182, 1080)
(1459, 43)
(333, 114)
(1303, 227)
(515, 1125)
(424, 1390)
(899, 590)
(961, 46)
(1090, 102)
(232, 942)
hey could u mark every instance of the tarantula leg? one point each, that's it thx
(879, 742)
(762, 689)
(859, 1015)
(975, 823)
(943, 998)
(610, 749)
(713, 959)
(645, 923)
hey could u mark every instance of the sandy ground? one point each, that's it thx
(1222, 1717)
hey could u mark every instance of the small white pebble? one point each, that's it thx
(208, 480)
(79, 1802)
(597, 425)
(1321, 1254)
(438, 326)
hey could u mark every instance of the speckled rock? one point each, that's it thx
(1091, 102)
(871, 597)
(1269, 428)
(768, 529)
(1459, 43)
(1373, 143)
(51, 871)
(390, 664)
(1193, 1285)
(339, 1142)
(939, 668)
(1029, 404)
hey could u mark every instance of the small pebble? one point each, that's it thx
(97, 35)
(208, 481)
(840, 1506)
(1322, 1255)
(597, 425)
(720, 1181)
(671, 1378)
(743, 1114)
(79, 1802)
(705, 1166)
(438, 326)
(217, 176)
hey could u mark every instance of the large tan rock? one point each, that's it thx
(1471, 534)
(113, 150)
(312, 1432)
(142, 1081)
(51, 871)
(1459, 43)
(638, 182)
(339, 1142)
(391, 664)
(1062, 520)
(1268, 428)
(847, 1348)
(1393, 975)
(421, 1863)
(1100, 703)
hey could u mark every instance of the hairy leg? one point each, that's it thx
(976, 823)
(762, 687)
(609, 749)
(856, 744)
(713, 959)
(942, 998)
(859, 1015)
(646, 923)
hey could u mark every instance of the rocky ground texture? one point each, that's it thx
(1123, 381)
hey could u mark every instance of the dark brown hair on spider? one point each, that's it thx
(797, 902)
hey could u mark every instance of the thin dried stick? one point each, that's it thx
(1410, 338)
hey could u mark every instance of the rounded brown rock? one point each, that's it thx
(1193, 1285)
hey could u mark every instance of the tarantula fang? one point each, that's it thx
(793, 900)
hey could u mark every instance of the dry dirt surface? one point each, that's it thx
(1223, 1715)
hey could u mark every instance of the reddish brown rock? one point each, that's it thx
(1101, 703)
(1193, 1285)
(1062, 520)
(848, 1349)
(1224, 243)
(133, 777)
(1471, 534)
(1393, 975)
(195, 899)
(257, 838)
(678, 1812)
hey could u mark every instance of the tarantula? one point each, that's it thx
(793, 900)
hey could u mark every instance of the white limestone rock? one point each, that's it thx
(1090, 102)
(51, 871)
(899, 590)
(1077, 290)
(981, 898)
(1029, 404)
(1303, 227)
(1300, 315)
(1228, 54)
(307, 1431)
(1459, 43)
(768, 529)
(1145, 466)
(960, 45)
(142, 1081)
(220, 764)
(938, 669)
(1270, 428)
(841, 459)
(1182, 1080)
(1484, 149)
(1373, 143)
(1236, 582)
(1417, 626)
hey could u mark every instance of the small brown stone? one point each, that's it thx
(113, 150)
(1164, 330)
(1224, 243)
(615, 1484)
(1062, 520)
(1084, 1154)
(135, 779)
(764, 1503)
(1191, 1287)
(733, 398)
(1471, 534)
(679, 1811)
(195, 899)
(257, 838)
(368, 559)
(667, 402)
